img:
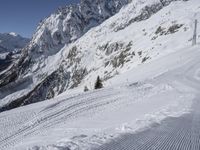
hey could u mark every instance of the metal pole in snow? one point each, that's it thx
(194, 40)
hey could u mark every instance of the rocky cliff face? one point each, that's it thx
(66, 52)
(68, 24)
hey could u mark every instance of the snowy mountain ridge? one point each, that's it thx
(69, 23)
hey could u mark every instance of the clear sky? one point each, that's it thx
(23, 16)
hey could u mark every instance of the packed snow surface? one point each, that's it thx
(166, 87)
(151, 73)
(173, 133)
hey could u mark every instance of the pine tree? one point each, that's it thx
(98, 84)
(86, 89)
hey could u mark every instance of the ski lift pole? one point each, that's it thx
(194, 40)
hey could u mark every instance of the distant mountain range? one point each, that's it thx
(12, 42)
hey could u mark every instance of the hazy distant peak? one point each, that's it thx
(13, 34)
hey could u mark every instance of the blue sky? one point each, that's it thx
(23, 16)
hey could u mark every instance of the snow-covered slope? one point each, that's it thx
(85, 121)
(140, 32)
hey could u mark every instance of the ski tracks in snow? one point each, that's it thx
(61, 111)
(181, 133)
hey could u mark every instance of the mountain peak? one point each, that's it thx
(13, 34)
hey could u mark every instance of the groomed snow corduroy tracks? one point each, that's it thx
(182, 133)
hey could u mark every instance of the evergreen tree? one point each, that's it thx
(86, 89)
(98, 84)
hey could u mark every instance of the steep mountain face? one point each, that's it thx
(68, 24)
(63, 55)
